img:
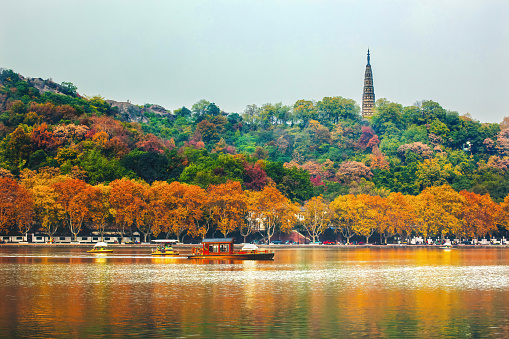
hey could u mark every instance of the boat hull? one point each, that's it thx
(100, 251)
(166, 254)
(234, 256)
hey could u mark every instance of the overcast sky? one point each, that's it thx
(241, 52)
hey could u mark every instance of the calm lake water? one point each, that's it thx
(364, 292)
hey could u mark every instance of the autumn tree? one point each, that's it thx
(400, 216)
(438, 211)
(348, 213)
(353, 171)
(229, 204)
(49, 213)
(478, 215)
(24, 210)
(252, 217)
(275, 211)
(99, 208)
(316, 216)
(127, 203)
(16, 206)
(177, 208)
(375, 215)
(74, 197)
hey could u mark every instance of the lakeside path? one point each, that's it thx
(188, 247)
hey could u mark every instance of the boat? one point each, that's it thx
(165, 248)
(222, 248)
(100, 247)
(447, 246)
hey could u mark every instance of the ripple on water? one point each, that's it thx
(387, 277)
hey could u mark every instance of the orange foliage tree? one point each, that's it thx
(99, 208)
(74, 197)
(229, 203)
(438, 210)
(176, 208)
(348, 212)
(478, 215)
(400, 216)
(16, 206)
(316, 217)
(275, 211)
(127, 203)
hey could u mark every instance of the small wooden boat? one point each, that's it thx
(165, 248)
(100, 247)
(223, 249)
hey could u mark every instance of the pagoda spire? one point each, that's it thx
(368, 95)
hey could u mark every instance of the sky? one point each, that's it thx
(241, 52)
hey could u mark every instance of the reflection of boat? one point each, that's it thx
(165, 248)
(223, 249)
(100, 247)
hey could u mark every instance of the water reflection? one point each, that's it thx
(62, 292)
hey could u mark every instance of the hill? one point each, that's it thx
(307, 149)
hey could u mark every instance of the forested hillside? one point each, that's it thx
(309, 149)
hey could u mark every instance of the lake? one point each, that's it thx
(316, 292)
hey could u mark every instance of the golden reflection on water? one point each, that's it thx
(324, 292)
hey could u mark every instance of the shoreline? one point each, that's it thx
(265, 247)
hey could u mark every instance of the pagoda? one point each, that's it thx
(368, 95)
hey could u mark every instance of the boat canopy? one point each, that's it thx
(165, 241)
(249, 247)
(218, 240)
(101, 244)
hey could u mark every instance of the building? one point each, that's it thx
(368, 95)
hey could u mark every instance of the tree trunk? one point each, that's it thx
(367, 239)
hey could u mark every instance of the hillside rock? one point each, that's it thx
(44, 85)
(135, 113)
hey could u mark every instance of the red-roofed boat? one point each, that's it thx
(222, 248)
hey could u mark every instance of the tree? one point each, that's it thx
(348, 213)
(334, 109)
(185, 208)
(305, 110)
(316, 216)
(434, 172)
(438, 211)
(275, 211)
(252, 215)
(9, 190)
(149, 166)
(42, 139)
(24, 210)
(478, 215)
(255, 177)
(99, 208)
(18, 147)
(127, 203)
(48, 212)
(353, 171)
(229, 204)
(375, 215)
(74, 197)
(400, 216)
(387, 114)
